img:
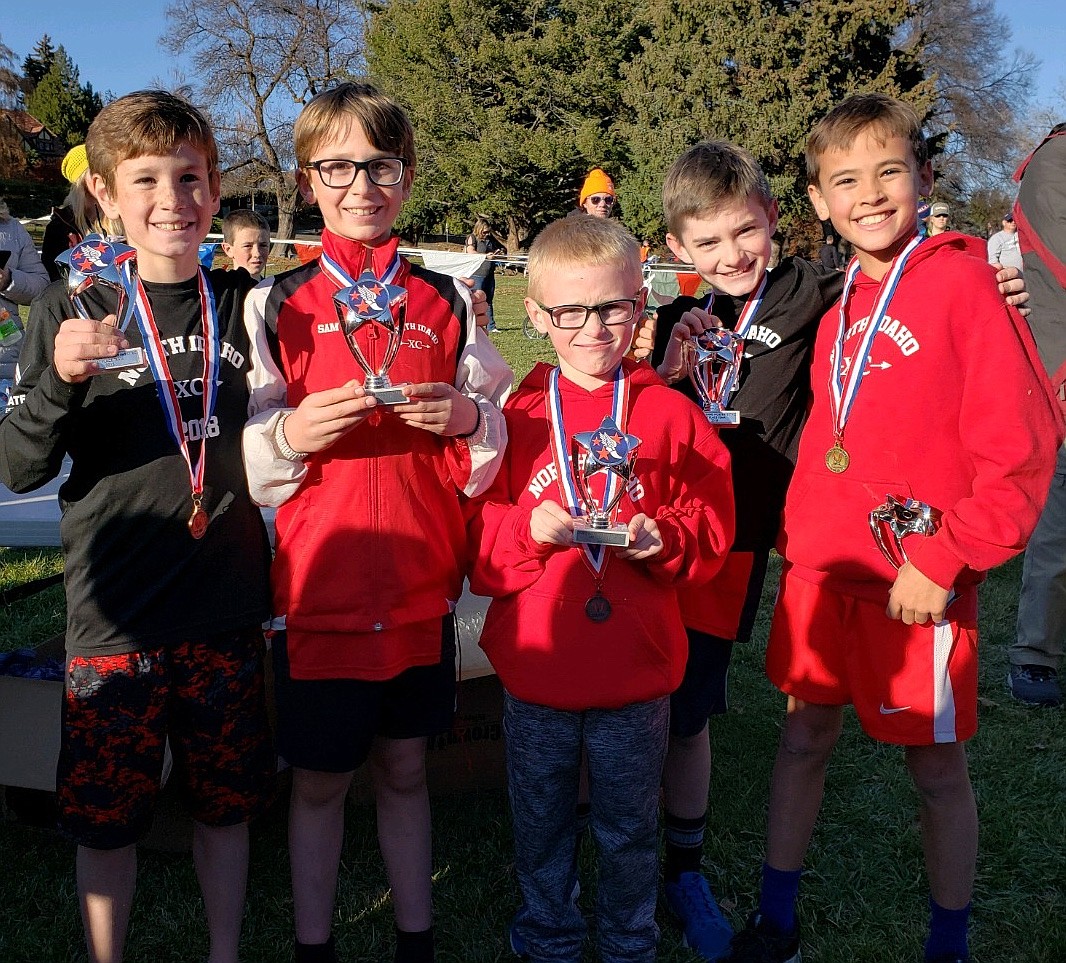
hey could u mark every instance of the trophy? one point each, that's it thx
(97, 260)
(610, 451)
(717, 355)
(370, 301)
(895, 520)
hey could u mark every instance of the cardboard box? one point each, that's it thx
(29, 726)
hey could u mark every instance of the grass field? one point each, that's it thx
(863, 897)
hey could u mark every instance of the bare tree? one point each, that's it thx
(254, 64)
(983, 89)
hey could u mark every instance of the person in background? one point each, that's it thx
(79, 215)
(828, 255)
(937, 222)
(597, 195)
(22, 278)
(1003, 245)
(1040, 211)
(481, 240)
(246, 239)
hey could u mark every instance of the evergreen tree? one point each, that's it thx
(38, 63)
(61, 102)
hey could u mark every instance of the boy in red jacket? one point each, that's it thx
(371, 546)
(588, 641)
(925, 387)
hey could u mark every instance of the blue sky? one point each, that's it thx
(115, 44)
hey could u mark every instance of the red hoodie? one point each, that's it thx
(537, 635)
(954, 409)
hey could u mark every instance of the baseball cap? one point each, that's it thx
(1009, 216)
(939, 208)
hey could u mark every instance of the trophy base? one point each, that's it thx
(392, 395)
(130, 358)
(723, 417)
(616, 536)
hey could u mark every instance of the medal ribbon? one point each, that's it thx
(723, 390)
(844, 387)
(343, 279)
(164, 383)
(596, 556)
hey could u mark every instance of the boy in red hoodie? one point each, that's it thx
(371, 546)
(589, 642)
(927, 387)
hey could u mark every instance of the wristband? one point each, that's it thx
(477, 424)
(287, 451)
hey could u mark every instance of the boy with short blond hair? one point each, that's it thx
(902, 374)
(365, 669)
(246, 240)
(588, 641)
(166, 556)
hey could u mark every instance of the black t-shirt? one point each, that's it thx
(134, 574)
(774, 387)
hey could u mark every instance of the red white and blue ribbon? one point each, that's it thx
(844, 385)
(596, 555)
(343, 279)
(164, 382)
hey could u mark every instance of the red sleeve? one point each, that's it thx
(1011, 429)
(697, 521)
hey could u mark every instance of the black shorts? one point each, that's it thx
(329, 725)
(704, 689)
(206, 696)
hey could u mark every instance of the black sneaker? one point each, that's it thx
(762, 942)
(1035, 685)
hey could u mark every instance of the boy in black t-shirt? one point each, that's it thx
(166, 556)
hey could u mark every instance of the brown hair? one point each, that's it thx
(581, 240)
(240, 218)
(146, 122)
(884, 115)
(382, 119)
(708, 177)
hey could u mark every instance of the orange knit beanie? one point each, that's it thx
(596, 183)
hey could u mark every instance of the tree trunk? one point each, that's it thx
(286, 198)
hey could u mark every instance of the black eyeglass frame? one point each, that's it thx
(357, 166)
(591, 309)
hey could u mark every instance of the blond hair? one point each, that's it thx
(709, 177)
(878, 113)
(147, 122)
(581, 240)
(332, 112)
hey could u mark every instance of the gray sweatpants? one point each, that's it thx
(625, 750)
(1042, 604)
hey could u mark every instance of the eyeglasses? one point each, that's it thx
(382, 171)
(574, 316)
(602, 199)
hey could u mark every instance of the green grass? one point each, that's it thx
(863, 896)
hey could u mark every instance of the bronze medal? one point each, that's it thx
(837, 459)
(197, 521)
(598, 608)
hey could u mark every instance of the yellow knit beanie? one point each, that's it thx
(75, 163)
(596, 183)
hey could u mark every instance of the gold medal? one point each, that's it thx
(197, 520)
(837, 459)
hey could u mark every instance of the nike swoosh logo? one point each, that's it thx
(892, 712)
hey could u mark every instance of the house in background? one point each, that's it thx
(28, 149)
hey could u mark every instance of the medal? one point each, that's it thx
(846, 374)
(837, 459)
(164, 382)
(598, 608)
(198, 519)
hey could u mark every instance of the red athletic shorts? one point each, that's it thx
(206, 696)
(912, 685)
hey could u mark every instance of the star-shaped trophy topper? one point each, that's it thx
(715, 344)
(609, 448)
(97, 258)
(370, 300)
